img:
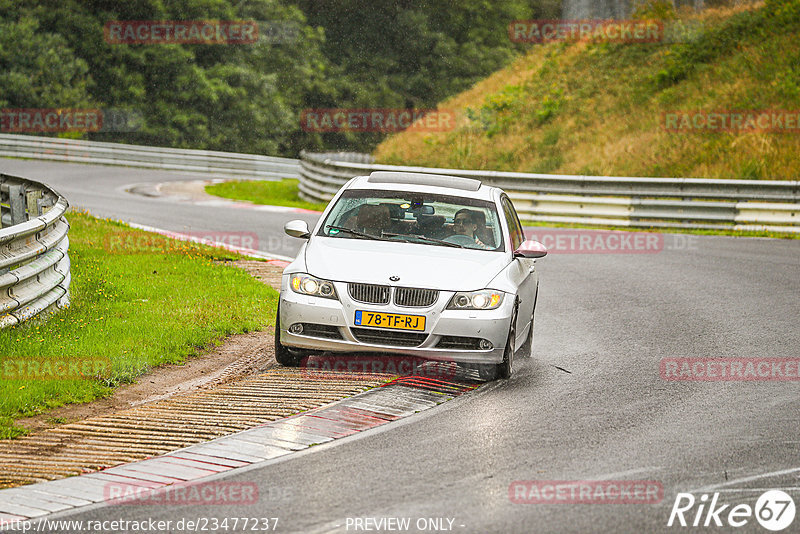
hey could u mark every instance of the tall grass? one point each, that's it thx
(597, 108)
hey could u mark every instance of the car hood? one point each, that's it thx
(417, 265)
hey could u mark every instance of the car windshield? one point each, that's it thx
(428, 219)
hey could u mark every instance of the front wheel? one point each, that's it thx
(506, 369)
(283, 354)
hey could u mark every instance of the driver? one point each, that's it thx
(465, 222)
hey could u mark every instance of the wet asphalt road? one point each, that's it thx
(590, 405)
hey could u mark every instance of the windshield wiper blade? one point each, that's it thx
(424, 238)
(354, 232)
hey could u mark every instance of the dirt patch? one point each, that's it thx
(268, 272)
(194, 190)
(238, 356)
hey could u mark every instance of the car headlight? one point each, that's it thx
(308, 285)
(488, 299)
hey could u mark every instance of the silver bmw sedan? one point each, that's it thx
(420, 265)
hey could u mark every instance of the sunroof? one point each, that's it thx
(436, 180)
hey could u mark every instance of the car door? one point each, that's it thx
(523, 270)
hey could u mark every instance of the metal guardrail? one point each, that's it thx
(605, 201)
(216, 164)
(695, 203)
(34, 264)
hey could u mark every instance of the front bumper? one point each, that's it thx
(339, 315)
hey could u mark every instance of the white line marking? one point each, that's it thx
(756, 490)
(219, 202)
(618, 474)
(747, 479)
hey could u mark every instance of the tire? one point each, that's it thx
(283, 354)
(506, 369)
(526, 349)
(486, 371)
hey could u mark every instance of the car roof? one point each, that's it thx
(424, 183)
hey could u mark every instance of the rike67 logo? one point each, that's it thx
(774, 510)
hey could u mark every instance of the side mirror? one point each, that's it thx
(530, 249)
(297, 228)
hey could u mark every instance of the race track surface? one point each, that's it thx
(590, 405)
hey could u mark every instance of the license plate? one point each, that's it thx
(390, 320)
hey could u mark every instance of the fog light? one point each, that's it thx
(485, 344)
(296, 328)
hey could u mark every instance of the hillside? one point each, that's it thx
(600, 108)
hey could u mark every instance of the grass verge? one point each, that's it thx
(159, 301)
(273, 193)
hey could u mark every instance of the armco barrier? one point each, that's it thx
(606, 201)
(34, 264)
(209, 163)
(696, 203)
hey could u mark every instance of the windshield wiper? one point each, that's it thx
(354, 232)
(423, 238)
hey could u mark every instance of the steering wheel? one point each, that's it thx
(463, 240)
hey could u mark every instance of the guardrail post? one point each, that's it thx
(32, 200)
(16, 201)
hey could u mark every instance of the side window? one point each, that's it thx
(514, 226)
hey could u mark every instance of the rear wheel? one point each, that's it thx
(526, 349)
(506, 369)
(284, 355)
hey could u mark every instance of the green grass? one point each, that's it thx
(161, 302)
(272, 193)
